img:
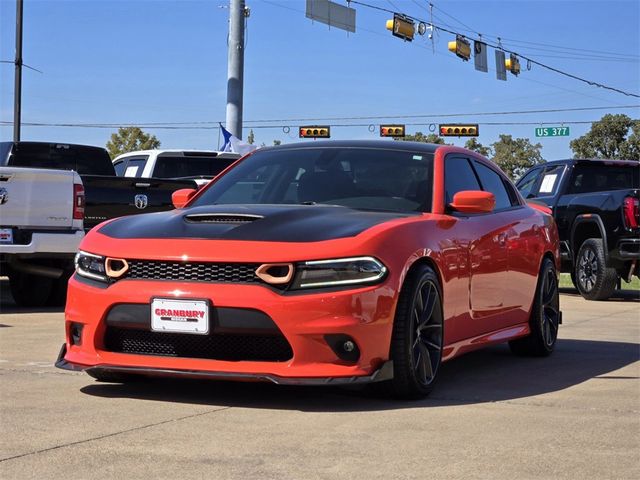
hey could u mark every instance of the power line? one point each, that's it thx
(500, 47)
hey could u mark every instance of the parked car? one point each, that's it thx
(41, 214)
(595, 205)
(322, 264)
(200, 166)
(107, 196)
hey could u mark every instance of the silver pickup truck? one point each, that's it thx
(41, 225)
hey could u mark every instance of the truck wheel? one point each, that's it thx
(58, 296)
(545, 316)
(595, 281)
(29, 290)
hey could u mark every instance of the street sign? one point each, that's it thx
(552, 132)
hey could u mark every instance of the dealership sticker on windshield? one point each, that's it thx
(180, 316)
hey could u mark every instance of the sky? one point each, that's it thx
(141, 62)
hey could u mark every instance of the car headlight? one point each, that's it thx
(337, 272)
(91, 266)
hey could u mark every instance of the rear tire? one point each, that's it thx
(58, 296)
(418, 335)
(29, 290)
(545, 316)
(594, 280)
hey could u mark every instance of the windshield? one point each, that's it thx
(184, 166)
(83, 159)
(361, 178)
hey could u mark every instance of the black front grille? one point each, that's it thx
(196, 272)
(265, 348)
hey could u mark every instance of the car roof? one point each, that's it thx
(375, 144)
(593, 160)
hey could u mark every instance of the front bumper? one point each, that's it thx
(304, 320)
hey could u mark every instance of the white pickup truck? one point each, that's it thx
(41, 225)
(198, 165)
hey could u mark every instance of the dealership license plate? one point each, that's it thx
(180, 316)
(6, 235)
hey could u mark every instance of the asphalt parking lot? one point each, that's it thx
(493, 415)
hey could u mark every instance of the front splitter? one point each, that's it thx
(385, 372)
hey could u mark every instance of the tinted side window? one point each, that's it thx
(550, 181)
(492, 182)
(528, 185)
(458, 176)
(119, 167)
(602, 177)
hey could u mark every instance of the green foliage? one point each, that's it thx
(421, 137)
(277, 142)
(251, 138)
(516, 155)
(475, 146)
(613, 137)
(129, 139)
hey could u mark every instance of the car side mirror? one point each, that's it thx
(179, 198)
(473, 201)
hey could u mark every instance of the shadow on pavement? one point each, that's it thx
(618, 295)
(490, 375)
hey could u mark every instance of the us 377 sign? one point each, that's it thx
(552, 132)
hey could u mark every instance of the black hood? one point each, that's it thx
(269, 223)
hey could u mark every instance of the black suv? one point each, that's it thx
(595, 205)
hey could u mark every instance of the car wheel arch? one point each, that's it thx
(590, 223)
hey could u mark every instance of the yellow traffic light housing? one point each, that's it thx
(402, 27)
(392, 131)
(459, 130)
(315, 131)
(461, 47)
(512, 64)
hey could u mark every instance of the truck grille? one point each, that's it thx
(231, 347)
(197, 272)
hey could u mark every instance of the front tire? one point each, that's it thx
(545, 316)
(418, 335)
(594, 280)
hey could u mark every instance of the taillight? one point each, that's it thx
(78, 202)
(631, 209)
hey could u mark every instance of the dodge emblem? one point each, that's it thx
(141, 201)
(4, 196)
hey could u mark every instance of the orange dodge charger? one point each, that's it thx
(323, 263)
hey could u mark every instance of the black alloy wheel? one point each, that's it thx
(545, 316)
(418, 335)
(594, 280)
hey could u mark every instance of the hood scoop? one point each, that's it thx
(228, 218)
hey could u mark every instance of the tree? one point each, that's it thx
(128, 139)
(251, 138)
(474, 145)
(516, 155)
(421, 137)
(610, 138)
(277, 142)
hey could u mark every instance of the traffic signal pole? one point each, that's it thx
(17, 92)
(235, 67)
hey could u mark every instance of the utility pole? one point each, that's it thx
(235, 69)
(17, 92)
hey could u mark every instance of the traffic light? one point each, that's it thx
(512, 64)
(461, 47)
(392, 130)
(316, 131)
(459, 130)
(401, 27)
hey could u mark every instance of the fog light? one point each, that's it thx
(75, 334)
(348, 346)
(344, 347)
